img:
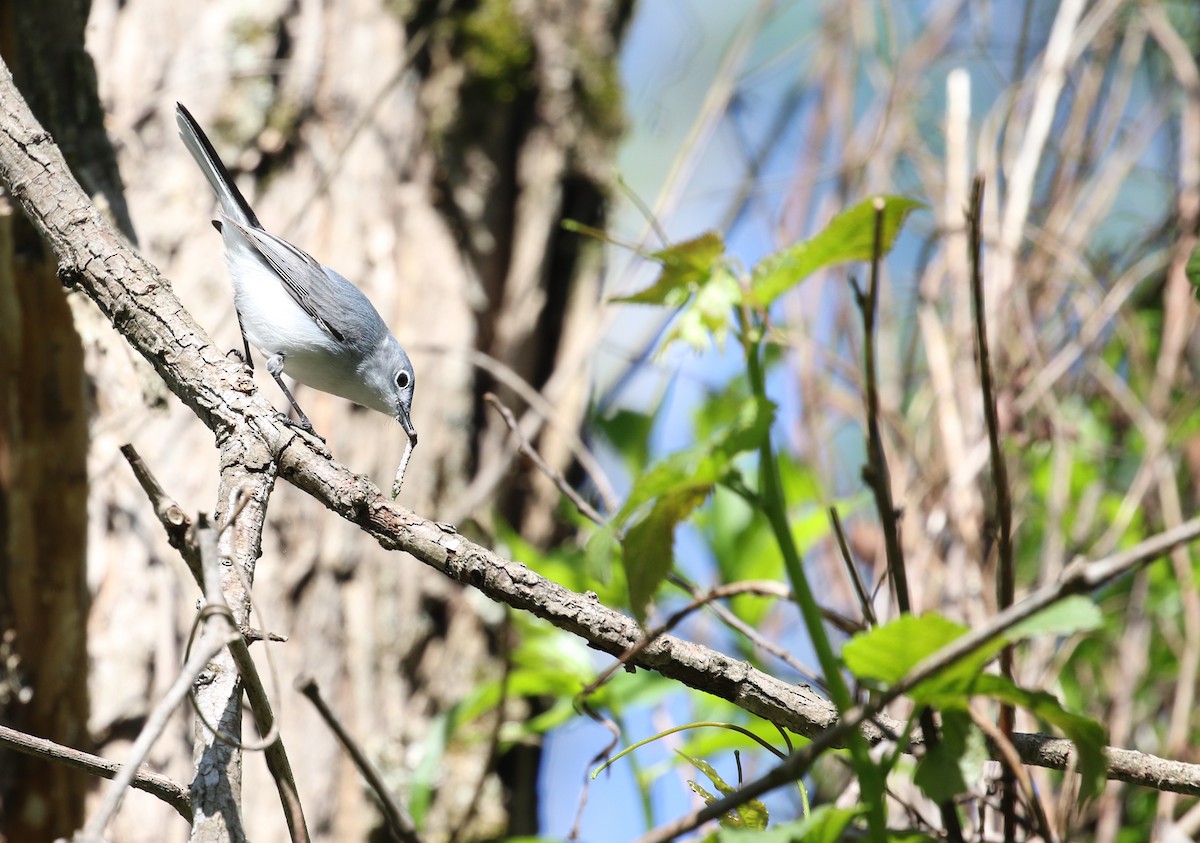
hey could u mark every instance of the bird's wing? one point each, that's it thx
(305, 280)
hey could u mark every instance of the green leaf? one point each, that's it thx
(825, 824)
(887, 653)
(751, 814)
(676, 486)
(705, 464)
(850, 236)
(1066, 617)
(707, 318)
(1089, 736)
(685, 266)
(598, 553)
(949, 768)
(648, 549)
(1192, 270)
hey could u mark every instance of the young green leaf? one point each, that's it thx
(648, 549)
(826, 824)
(885, 654)
(598, 552)
(685, 266)
(751, 814)
(1066, 617)
(948, 768)
(850, 236)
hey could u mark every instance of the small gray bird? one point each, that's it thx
(306, 319)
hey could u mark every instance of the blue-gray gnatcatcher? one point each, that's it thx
(306, 319)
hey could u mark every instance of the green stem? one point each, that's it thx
(775, 507)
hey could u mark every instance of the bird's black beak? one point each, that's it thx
(406, 423)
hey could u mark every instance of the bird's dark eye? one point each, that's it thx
(403, 380)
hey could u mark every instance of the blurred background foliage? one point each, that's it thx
(760, 121)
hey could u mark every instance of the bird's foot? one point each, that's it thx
(235, 354)
(304, 426)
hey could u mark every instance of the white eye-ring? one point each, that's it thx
(403, 380)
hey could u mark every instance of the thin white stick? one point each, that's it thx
(408, 449)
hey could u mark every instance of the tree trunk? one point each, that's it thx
(43, 439)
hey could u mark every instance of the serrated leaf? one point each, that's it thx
(850, 236)
(648, 548)
(685, 266)
(885, 654)
(1066, 617)
(751, 814)
(826, 824)
(948, 768)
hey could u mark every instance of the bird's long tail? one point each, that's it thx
(233, 203)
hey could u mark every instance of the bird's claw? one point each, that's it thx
(305, 427)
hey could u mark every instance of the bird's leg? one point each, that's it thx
(245, 357)
(275, 367)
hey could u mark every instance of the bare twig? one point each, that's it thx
(876, 472)
(878, 477)
(218, 630)
(182, 538)
(768, 588)
(526, 448)
(170, 514)
(860, 588)
(544, 412)
(156, 784)
(755, 637)
(1012, 763)
(1006, 565)
(398, 821)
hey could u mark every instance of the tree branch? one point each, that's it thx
(156, 784)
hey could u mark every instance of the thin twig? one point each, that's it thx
(156, 784)
(182, 538)
(526, 448)
(1006, 576)
(219, 629)
(544, 411)
(856, 580)
(876, 472)
(398, 821)
(731, 620)
(1011, 762)
(766, 587)
(170, 514)
(878, 477)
